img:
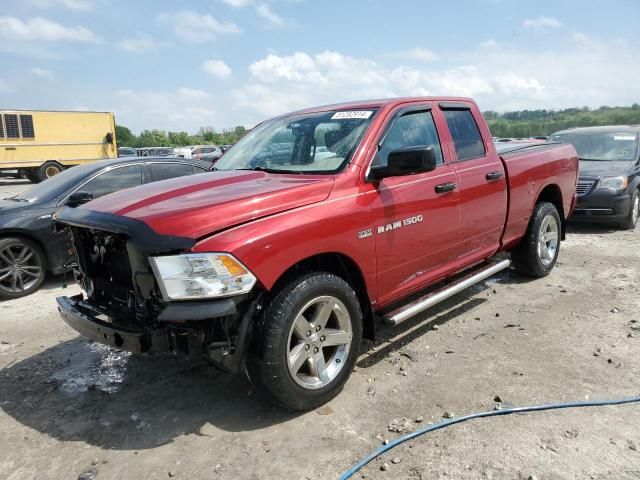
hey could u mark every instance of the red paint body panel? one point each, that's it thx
(271, 222)
(209, 202)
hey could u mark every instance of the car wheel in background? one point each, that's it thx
(22, 267)
(537, 253)
(310, 340)
(49, 169)
(632, 219)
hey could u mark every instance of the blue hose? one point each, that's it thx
(505, 411)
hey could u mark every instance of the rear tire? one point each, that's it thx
(537, 253)
(632, 219)
(22, 267)
(48, 170)
(310, 341)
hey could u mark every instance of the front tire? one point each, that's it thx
(632, 219)
(310, 340)
(537, 252)
(22, 267)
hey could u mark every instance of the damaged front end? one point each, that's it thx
(128, 308)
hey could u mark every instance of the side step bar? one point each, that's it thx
(420, 305)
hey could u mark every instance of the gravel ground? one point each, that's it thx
(69, 407)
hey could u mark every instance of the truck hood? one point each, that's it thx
(200, 205)
(605, 168)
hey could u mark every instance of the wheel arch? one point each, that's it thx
(343, 266)
(551, 193)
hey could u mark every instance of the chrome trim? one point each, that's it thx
(407, 311)
(584, 186)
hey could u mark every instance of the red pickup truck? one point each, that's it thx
(312, 228)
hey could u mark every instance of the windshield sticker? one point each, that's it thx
(360, 114)
(624, 137)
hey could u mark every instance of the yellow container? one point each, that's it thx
(40, 144)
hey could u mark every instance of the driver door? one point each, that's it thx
(416, 217)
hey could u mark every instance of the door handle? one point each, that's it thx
(445, 187)
(494, 176)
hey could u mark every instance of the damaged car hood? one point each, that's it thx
(201, 205)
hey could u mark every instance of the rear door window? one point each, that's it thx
(164, 171)
(114, 180)
(465, 133)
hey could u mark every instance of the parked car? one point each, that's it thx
(208, 153)
(287, 262)
(127, 152)
(29, 248)
(155, 152)
(609, 184)
(183, 152)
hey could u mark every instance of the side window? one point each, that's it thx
(163, 171)
(412, 129)
(114, 180)
(11, 125)
(26, 126)
(465, 133)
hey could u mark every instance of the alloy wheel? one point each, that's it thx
(548, 239)
(319, 342)
(20, 268)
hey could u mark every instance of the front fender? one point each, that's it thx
(271, 246)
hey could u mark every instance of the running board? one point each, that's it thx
(420, 305)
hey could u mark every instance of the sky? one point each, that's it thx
(180, 65)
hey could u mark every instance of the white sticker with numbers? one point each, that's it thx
(360, 114)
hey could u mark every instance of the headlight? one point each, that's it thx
(614, 183)
(201, 275)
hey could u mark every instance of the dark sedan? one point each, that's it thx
(609, 183)
(28, 246)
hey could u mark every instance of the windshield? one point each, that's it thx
(56, 185)
(601, 145)
(307, 143)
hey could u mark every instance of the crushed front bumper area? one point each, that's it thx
(181, 328)
(91, 322)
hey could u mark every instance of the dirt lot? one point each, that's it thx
(68, 406)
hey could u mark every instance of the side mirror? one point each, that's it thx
(79, 198)
(405, 161)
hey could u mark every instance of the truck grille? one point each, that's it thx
(584, 187)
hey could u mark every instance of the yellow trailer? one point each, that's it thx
(40, 144)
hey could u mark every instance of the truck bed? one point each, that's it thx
(526, 167)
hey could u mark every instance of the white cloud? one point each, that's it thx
(491, 43)
(542, 22)
(141, 43)
(43, 29)
(496, 77)
(78, 5)
(197, 28)
(418, 54)
(184, 109)
(42, 73)
(217, 68)
(238, 3)
(273, 19)
(193, 93)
